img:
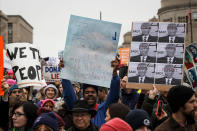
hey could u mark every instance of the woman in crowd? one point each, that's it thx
(23, 116)
(117, 110)
(46, 122)
(50, 92)
(49, 104)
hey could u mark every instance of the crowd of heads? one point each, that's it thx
(47, 110)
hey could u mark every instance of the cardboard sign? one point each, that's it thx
(90, 47)
(157, 55)
(124, 55)
(51, 73)
(1, 64)
(25, 63)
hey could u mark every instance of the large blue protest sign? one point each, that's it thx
(90, 47)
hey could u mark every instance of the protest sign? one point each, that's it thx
(157, 55)
(90, 47)
(6, 60)
(51, 73)
(124, 55)
(1, 64)
(25, 63)
(192, 49)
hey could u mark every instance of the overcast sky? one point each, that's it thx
(50, 18)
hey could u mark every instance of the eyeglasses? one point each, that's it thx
(17, 114)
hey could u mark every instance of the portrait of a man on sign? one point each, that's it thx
(169, 76)
(145, 30)
(144, 50)
(192, 77)
(169, 33)
(192, 49)
(141, 74)
(170, 51)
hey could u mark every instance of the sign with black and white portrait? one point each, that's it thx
(160, 46)
(170, 53)
(143, 52)
(145, 32)
(171, 32)
(141, 72)
(169, 74)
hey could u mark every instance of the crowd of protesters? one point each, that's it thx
(72, 106)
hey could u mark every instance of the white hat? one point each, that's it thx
(50, 86)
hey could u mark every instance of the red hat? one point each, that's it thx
(116, 124)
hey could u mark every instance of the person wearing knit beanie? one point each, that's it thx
(13, 87)
(50, 91)
(178, 96)
(116, 124)
(183, 104)
(48, 119)
(139, 119)
(48, 104)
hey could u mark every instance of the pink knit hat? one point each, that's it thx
(116, 124)
(10, 72)
(46, 100)
(11, 82)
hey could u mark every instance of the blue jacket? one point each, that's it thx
(129, 99)
(113, 96)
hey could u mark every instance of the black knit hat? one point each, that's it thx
(137, 118)
(178, 96)
(88, 85)
(82, 106)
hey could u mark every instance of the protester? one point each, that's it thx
(46, 122)
(116, 110)
(62, 111)
(139, 120)
(90, 94)
(50, 92)
(77, 90)
(81, 115)
(60, 93)
(102, 94)
(61, 124)
(116, 124)
(151, 104)
(40, 95)
(183, 104)
(4, 106)
(48, 104)
(23, 116)
(129, 97)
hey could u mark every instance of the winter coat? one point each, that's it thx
(113, 96)
(90, 128)
(129, 99)
(171, 125)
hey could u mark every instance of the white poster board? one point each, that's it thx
(51, 73)
(90, 47)
(25, 63)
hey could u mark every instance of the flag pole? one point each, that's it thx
(190, 19)
(100, 15)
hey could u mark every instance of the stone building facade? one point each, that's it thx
(177, 11)
(173, 11)
(14, 28)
